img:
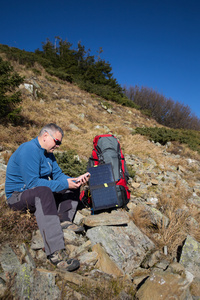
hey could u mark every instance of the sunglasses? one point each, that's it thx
(58, 142)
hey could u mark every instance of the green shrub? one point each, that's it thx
(61, 74)
(9, 98)
(146, 112)
(40, 95)
(36, 71)
(70, 164)
(131, 171)
(52, 79)
(164, 135)
(106, 104)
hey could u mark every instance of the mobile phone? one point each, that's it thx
(79, 179)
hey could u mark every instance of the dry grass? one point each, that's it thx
(175, 233)
(172, 203)
(6, 156)
(141, 218)
(173, 198)
(15, 226)
(171, 235)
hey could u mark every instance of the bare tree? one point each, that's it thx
(165, 111)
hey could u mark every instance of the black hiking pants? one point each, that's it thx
(49, 209)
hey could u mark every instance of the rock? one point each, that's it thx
(28, 282)
(3, 167)
(9, 260)
(88, 258)
(109, 111)
(37, 241)
(41, 255)
(76, 278)
(152, 201)
(164, 285)
(27, 256)
(137, 280)
(162, 265)
(82, 116)
(105, 264)
(176, 268)
(190, 256)
(151, 259)
(131, 206)
(36, 284)
(84, 247)
(79, 217)
(71, 237)
(180, 168)
(115, 218)
(156, 217)
(2, 287)
(124, 296)
(85, 212)
(138, 179)
(195, 289)
(74, 127)
(135, 185)
(152, 214)
(126, 245)
(154, 181)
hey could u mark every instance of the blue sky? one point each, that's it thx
(151, 43)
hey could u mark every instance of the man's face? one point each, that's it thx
(53, 141)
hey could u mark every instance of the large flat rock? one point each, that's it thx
(114, 218)
(126, 245)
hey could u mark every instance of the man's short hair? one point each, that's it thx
(52, 128)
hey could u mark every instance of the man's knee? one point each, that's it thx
(42, 195)
(45, 199)
(42, 191)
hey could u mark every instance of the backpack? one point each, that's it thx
(107, 150)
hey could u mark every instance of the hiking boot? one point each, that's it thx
(69, 225)
(60, 259)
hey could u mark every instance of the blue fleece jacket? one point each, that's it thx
(31, 166)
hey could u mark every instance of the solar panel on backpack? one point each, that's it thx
(103, 187)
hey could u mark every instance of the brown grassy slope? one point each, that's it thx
(65, 104)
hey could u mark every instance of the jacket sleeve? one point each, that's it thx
(30, 163)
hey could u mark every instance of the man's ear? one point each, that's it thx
(44, 136)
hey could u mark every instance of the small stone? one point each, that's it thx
(180, 168)
(154, 182)
(135, 185)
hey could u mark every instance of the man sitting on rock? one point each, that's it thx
(34, 181)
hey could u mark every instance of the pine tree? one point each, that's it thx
(9, 81)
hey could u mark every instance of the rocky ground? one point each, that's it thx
(120, 258)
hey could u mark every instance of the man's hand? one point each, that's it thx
(72, 184)
(83, 178)
(75, 183)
